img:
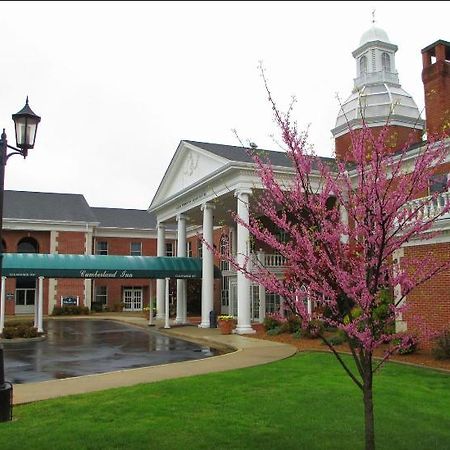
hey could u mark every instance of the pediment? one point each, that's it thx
(189, 165)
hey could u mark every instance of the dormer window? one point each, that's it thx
(386, 62)
(363, 65)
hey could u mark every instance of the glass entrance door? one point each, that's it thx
(132, 299)
(233, 297)
(25, 300)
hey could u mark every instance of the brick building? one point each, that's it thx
(39, 222)
(205, 181)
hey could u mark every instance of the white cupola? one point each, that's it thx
(377, 94)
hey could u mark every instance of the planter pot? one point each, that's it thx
(226, 326)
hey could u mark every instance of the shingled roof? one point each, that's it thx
(243, 154)
(47, 206)
(124, 218)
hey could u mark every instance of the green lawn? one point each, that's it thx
(304, 402)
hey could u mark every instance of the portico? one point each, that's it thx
(202, 188)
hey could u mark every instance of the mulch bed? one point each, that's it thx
(419, 358)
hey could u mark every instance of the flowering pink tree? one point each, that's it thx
(346, 265)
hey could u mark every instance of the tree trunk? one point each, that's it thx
(369, 421)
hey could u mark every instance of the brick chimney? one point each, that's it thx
(436, 81)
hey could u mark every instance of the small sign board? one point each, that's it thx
(9, 296)
(70, 300)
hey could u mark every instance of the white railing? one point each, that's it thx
(428, 207)
(274, 260)
(271, 260)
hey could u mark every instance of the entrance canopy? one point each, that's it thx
(17, 265)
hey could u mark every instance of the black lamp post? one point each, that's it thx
(25, 123)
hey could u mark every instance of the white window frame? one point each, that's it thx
(189, 249)
(135, 252)
(103, 296)
(101, 252)
(169, 249)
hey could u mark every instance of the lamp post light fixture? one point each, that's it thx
(25, 123)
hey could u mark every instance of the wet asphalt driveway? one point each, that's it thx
(83, 347)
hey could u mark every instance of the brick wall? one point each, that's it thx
(397, 139)
(122, 245)
(70, 242)
(436, 80)
(12, 239)
(430, 301)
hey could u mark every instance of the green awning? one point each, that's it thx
(16, 265)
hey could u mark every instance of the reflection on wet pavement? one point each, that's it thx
(83, 347)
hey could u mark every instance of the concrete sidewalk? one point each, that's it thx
(248, 352)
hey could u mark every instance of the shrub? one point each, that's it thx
(442, 348)
(96, 307)
(407, 343)
(297, 334)
(19, 329)
(292, 324)
(69, 310)
(313, 330)
(271, 321)
(338, 338)
(118, 307)
(30, 332)
(9, 333)
(275, 331)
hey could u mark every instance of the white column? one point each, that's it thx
(181, 284)
(36, 303)
(344, 219)
(160, 284)
(166, 315)
(243, 283)
(262, 303)
(400, 324)
(150, 304)
(40, 308)
(261, 291)
(207, 265)
(2, 304)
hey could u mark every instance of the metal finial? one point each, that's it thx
(373, 16)
(27, 100)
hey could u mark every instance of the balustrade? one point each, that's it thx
(429, 207)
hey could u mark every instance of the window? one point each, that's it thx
(386, 62)
(101, 295)
(225, 294)
(362, 65)
(136, 249)
(437, 183)
(25, 297)
(273, 302)
(28, 245)
(189, 249)
(169, 249)
(101, 248)
(225, 251)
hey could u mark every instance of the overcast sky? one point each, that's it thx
(119, 84)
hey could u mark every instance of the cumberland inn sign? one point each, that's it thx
(16, 265)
